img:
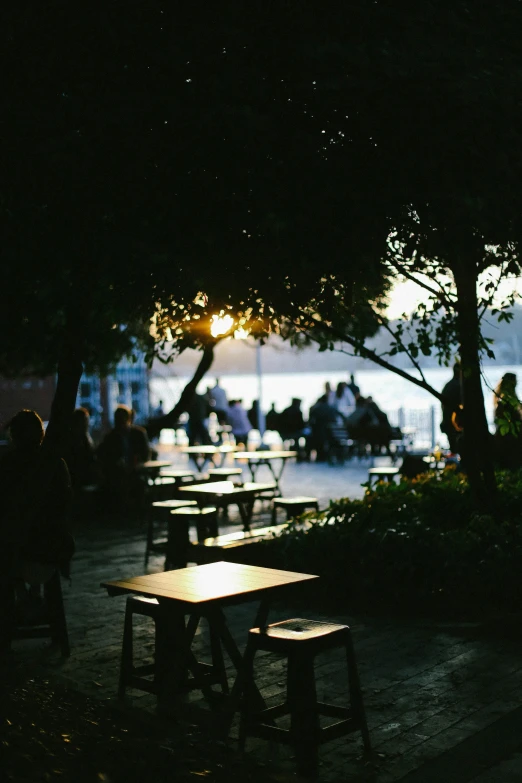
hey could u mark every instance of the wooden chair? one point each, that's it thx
(301, 641)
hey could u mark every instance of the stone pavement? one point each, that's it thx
(442, 699)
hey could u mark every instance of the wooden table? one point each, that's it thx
(202, 591)
(225, 493)
(255, 459)
(200, 455)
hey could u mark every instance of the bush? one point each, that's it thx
(418, 545)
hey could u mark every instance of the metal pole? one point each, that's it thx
(432, 425)
(260, 414)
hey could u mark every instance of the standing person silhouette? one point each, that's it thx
(508, 423)
(451, 407)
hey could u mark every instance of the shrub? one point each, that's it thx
(418, 545)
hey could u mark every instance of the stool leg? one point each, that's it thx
(218, 662)
(150, 538)
(356, 698)
(213, 524)
(244, 686)
(177, 544)
(304, 718)
(126, 653)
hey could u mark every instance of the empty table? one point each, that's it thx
(255, 459)
(202, 591)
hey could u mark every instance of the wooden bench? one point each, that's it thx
(228, 546)
(294, 506)
(381, 474)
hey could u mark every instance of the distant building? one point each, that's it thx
(127, 385)
(17, 393)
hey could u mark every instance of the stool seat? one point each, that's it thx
(298, 631)
(193, 511)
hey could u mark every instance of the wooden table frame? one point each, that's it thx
(200, 455)
(203, 591)
(255, 459)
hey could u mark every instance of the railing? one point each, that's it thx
(421, 426)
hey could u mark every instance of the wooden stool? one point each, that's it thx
(160, 511)
(132, 676)
(55, 623)
(301, 640)
(293, 506)
(381, 474)
(205, 520)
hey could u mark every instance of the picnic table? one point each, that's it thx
(225, 493)
(200, 455)
(255, 459)
(202, 591)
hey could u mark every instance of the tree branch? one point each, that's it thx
(170, 420)
(440, 295)
(388, 328)
(367, 353)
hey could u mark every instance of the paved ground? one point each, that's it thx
(443, 700)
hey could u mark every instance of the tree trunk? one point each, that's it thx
(477, 452)
(70, 370)
(170, 420)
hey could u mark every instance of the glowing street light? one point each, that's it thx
(221, 324)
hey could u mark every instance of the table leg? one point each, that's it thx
(222, 726)
(276, 475)
(171, 669)
(245, 511)
(175, 659)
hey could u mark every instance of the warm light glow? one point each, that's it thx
(221, 324)
(241, 334)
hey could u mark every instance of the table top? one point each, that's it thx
(155, 464)
(219, 581)
(225, 449)
(264, 455)
(219, 488)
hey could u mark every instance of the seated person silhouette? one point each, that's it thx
(121, 453)
(36, 495)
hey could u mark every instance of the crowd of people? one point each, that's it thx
(342, 407)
